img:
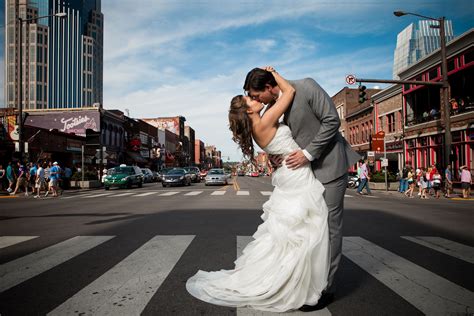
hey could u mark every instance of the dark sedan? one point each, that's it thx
(176, 176)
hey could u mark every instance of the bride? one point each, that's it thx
(286, 265)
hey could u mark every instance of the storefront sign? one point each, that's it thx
(73, 145)
(378, 141)
(74, 122)
(398, 145)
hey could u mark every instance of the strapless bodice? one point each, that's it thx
(282, 143)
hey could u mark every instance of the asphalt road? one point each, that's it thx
(129, 252)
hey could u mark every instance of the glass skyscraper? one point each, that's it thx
(62, 59)
(416, 41)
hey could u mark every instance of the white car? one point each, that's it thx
(216, 176)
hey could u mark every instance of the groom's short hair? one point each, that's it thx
(257, 78)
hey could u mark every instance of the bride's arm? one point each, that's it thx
(273, 114)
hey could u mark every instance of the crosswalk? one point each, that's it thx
(128, 286)
(160, 193)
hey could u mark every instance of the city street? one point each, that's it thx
(130, 252)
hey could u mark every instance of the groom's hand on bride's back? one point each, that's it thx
(275, 161)
(296, 159)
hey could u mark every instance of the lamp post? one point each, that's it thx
(444, 80)
(20, 74)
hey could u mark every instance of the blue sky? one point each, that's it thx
(167, 58)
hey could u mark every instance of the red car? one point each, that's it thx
(254, 174)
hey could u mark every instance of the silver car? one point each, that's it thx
(216, 176)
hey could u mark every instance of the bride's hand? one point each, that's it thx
(268, 68)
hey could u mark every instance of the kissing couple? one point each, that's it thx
(296, 251)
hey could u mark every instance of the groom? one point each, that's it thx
(314, 123)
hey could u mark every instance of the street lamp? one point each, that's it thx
(445, 86)
(20, 73)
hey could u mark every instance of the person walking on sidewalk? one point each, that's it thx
(11, 177)
(466, 181)
(448, 183)
(22, 180)
(437, 184)
(364, 179)
(411, 183)
(40, 182)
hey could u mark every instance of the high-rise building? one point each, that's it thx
(416, 41)
(62, 58)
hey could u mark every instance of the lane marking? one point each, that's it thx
(96, 195)
(145, 194)
(266, 192)
(348, 196)
(445, 246)
(194, 193)
(7, 241)
(17, 271)
(122, 194)
(243, 193)
(428, 292)
(127, 288)
(169, 193)
(218, 192)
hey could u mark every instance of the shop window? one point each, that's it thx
(469, 57)
(451, 65)
(433, 74)
(391, 122)
(423, 141)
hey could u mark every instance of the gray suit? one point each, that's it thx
(314, 123)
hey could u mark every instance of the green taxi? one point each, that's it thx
(123, 177)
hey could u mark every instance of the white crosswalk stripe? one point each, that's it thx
(243, 193)
(95, 195)
(169, 193)
(121, 194)
(126, 288)
(7, 241)
(445, 246)
(428, 292)
(218, 192)
(145, 194)
(193, 193)
(24, 268)
(348, 196)
(266, 193)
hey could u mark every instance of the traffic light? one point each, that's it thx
(362, 94)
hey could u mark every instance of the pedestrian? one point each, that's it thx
(2, 177)
(11, 177)
(67, 177)
(54, 174)
(437, 184)
(364, 179)
(32, 176)
(47, 172)
(411, 183)
(466, 181)
(448, 183)
(418, 173)
(404, 179)
(40, 181)
(22, 180)
(423, 184)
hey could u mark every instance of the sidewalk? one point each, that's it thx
(455, 195)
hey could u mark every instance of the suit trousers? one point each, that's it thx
(334, 197)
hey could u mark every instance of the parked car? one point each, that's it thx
(163, 172)
(123, 176)
(176, 176)
(216, 176)
(195, 173)
(147, 175)
(254, 174)
(241, 173)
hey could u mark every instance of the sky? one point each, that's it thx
(189, 58)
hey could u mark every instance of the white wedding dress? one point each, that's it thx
(287, 264)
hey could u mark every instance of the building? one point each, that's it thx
(345, 98)
(416, 41)
(191, 143)
(62, 58)
(424, 109)
(199, 153)
(360, 122)
(388, 117)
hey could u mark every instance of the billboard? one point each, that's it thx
(166, 123)
(72, 122)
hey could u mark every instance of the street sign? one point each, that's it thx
(371, 154)
(371, 157)
(384, 162)
(378, 141)
(350, 79)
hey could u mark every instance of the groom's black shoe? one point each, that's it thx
(324, 301)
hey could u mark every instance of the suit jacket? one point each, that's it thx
(314, 124)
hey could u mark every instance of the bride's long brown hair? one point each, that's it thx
(241, 125)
